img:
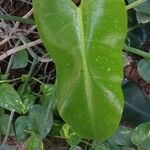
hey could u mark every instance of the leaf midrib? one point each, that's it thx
(87, 80)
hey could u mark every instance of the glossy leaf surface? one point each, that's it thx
(71, 137)
(21, 128)
(40, 120)
(85, 43)
(9, 98)
(141, 137)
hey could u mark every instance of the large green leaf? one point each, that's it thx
(85, 43)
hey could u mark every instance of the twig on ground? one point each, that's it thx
(8, 129)
(29, 13)
(19, 48)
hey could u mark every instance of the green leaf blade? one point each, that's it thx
(20, 60)
(34, 142)
(81, 41)
(9, 98)
(20, 127)
(141, 136)
(4, 119)
(40, 120)
(143, 69)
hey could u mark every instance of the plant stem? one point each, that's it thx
(86, 147)
(37, 80)
(8, 129)
(133, 28)
(84, 142)
(18, 19)
(135, 4)
(87, 143)
(9, 67)
(19, 48)
(29, 74)
(10, 62)
(12, 80)
(137, 51)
